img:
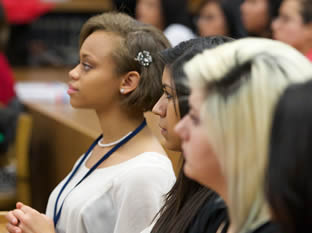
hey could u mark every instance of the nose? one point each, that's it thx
(160, 107)
(73, 73)
(181, 128)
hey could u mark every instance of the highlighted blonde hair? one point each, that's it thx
(241, 82)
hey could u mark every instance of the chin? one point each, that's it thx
(189, 172)
(75, 104)
(172, 146)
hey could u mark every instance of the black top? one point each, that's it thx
(209, 217)
(268, 227)
(214, 213)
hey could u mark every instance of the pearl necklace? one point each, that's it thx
(112, 143)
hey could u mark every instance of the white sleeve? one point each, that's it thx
(176, 33)
(139, 196)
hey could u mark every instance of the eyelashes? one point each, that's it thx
(86, 67)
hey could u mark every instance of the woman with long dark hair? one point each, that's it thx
(189, 206)
(288, 181)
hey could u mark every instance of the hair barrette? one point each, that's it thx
(144, 58)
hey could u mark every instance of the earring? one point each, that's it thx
(122, 90)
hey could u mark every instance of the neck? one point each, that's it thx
(231, 229)
(221, 190)
(306, 48)
(116, 124)
(266, 33)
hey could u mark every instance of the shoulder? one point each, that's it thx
(145, 179)
(146, 169)
(210, 216)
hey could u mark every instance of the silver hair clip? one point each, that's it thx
(144, 58)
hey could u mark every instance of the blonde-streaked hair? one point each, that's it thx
(241, 82)
(132, 37)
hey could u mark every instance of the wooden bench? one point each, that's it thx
(3, 222)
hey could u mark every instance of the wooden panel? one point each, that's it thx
(23, 137)
(84, 6)
(82, 120)
(193, 5)
(41, 74)
(3, 222)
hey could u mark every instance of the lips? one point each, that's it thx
(71, 89)
(163, 131)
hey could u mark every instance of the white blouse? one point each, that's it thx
(123, 198)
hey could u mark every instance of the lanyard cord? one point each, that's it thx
(57, 214)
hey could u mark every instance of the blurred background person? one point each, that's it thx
(220, 17)
(172, 17)
(257, 16)
(289, 188)
(294, 25)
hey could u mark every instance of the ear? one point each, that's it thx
(129, 82)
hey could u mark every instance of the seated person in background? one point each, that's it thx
(257, 16)
(7, 92)
(189, 207)
(170, 16)
(117, 186)
(234, 89)
(10, 107)
(220, 17)
(294, 25)
(288, 182)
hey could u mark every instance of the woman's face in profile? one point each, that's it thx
(201, 162)
(289, 27)
(211, 20)
(167, 108)
(255, 16)
(95, 70)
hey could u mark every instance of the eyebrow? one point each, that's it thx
(89, 57)
(85, 55)
(164, 86)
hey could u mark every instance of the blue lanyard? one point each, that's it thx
(57, 214)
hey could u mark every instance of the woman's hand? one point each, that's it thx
(25, 219)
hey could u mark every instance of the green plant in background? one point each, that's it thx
(1, 137)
